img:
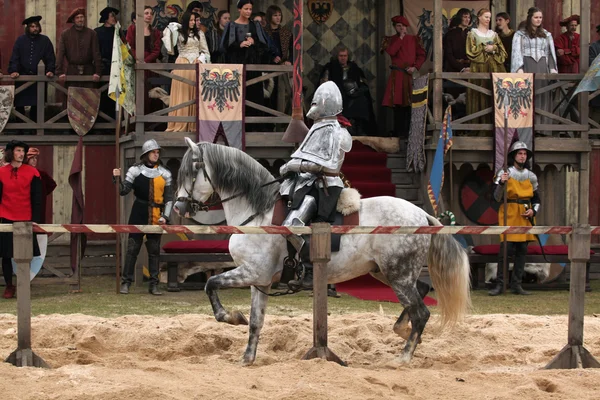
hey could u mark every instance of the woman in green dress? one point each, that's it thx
(487, 54)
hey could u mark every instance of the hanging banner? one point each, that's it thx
(436, 179)
(513, 94)
(221, 104)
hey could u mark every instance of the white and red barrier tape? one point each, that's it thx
(302, 230)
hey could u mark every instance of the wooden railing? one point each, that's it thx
(272, 116)
(565, 115)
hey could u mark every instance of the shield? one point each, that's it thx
(476, 198)
(7, 98)
(37, 261)
(320, 10)
(82, 108)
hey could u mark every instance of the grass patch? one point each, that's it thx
(98, 298)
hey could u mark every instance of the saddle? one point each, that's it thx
(347, 213)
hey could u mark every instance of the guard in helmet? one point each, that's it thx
(314, 185)
(152, 187)
(523, 203)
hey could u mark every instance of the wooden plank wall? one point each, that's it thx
(12, 13)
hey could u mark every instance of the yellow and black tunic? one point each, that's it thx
(522, 185)
(152, 187)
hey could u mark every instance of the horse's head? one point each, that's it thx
(195, 186)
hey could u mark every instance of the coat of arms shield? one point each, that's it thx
(7, 98)
(320, 10)
(82, 108)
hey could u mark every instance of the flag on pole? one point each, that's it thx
(122, 74)
(436, 179)
(591, 80)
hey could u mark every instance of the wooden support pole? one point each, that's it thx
(139, 59)
(437, 62)
(320, 254)
(23, 356)
(574, 355)
(41, 98)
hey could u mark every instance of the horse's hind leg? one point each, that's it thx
(257, 319)
(401, 327)
(416, 311)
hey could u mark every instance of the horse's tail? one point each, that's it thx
(450, 273)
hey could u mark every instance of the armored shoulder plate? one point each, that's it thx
(133, 172)
(166, 174)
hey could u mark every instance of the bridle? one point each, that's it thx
(195, 205)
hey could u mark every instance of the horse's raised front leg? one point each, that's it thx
(239, 277)
(257, 319)
(401, 327)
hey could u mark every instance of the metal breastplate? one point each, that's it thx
(325, 144)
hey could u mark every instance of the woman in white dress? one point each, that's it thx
(193, 49)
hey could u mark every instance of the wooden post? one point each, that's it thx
(437, 63)
(23, 356)
(41, 99)
(320, 254)
(139, 59)
(118, 196)
(574, 355)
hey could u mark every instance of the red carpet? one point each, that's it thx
(368, 288)
(367, 171)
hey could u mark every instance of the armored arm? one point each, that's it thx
(126, 185)
(498, 186)
(535, 200)
(167, 195)
(299, 165)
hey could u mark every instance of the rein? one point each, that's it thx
(196, 205)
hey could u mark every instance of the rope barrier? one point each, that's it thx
(302, 230)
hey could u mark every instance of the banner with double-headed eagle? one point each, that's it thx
(221, 104)
(513, 98)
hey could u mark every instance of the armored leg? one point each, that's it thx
(301, 217)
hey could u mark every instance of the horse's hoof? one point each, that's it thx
(237, 318)
(404, 359)
(246, 362)
(403, 331)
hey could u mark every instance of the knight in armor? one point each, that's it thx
(523, 204)
(313, 185)
(152, 187)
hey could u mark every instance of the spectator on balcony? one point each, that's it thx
(351, 80)
(48, 184)
(28, 51)
(408, 55)
(487, 54)
(455, 43)
(152, 47)
(193, 49)
(533, 52)
(106, 35)
(506, 35)
(567, 46)
(212, 39)
(223, 18)
(259, 17)
(282, 39)
(79, 47)
(245, 42)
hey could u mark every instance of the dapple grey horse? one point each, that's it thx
(395, 259)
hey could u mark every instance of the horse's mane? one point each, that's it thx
(235, 172)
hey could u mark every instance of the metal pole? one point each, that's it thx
(118, 197)
(505, 168)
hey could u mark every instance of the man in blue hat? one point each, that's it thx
(28, 51)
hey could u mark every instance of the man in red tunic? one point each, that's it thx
(567, 47)
(20, 200)
(407, 55)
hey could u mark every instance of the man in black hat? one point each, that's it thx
(28, 51)
(106, 36)
(20, 200)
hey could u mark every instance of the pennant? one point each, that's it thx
(436, 179)
(591, 80)
(513, 98)
(221, 104)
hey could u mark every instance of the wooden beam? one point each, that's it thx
(473, 86)
(547, 114)
(139, 75)
(266, 109)
(437, 60)
(472, 116)
(177, 77)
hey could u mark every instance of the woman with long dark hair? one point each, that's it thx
(245, 42)
(533, 51)
(193, 49)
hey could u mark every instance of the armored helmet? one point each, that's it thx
(327, 102)
(518, 146)
(148, 146)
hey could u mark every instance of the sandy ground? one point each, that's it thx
(194, 357)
